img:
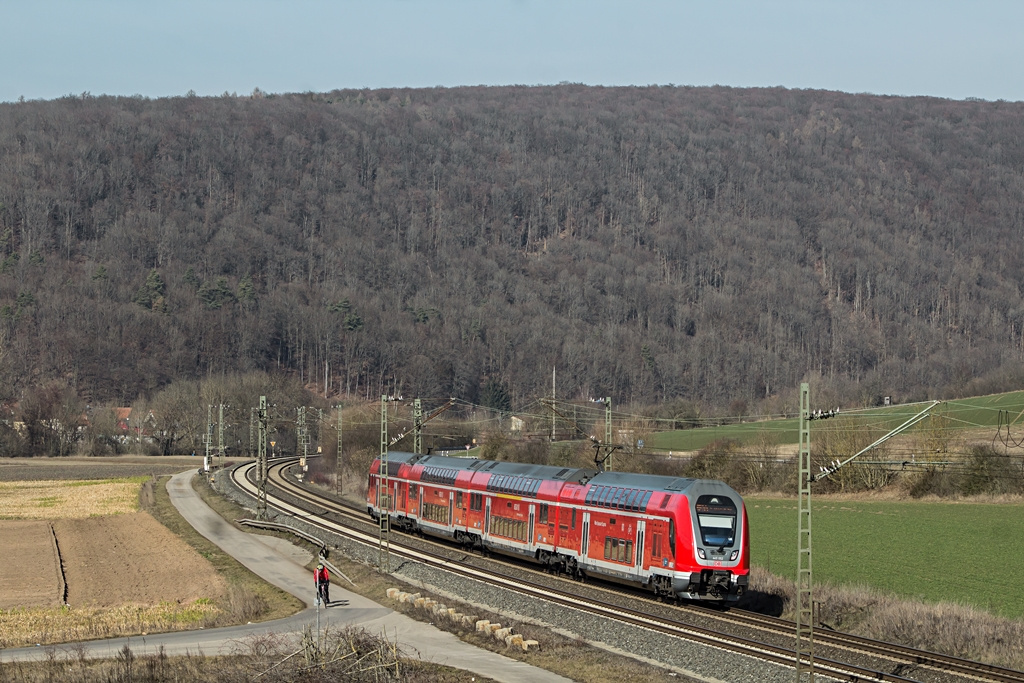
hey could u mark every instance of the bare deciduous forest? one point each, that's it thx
(712, 245)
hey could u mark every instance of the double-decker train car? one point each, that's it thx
(677, 537)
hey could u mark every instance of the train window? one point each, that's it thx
(574, 518)
(458, 499)
(536, 486)
(646, 500)
(592, 494)
(605, 495)
(656, 545)
(611, 522)
(542, 517)
(716, 516)
(634, 496)
(664, 501)
(611, 546)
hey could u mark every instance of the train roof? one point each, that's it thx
(577, 475)
(648, 482)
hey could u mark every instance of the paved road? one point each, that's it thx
(283, 569)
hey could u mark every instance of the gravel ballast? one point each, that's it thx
(694, 660)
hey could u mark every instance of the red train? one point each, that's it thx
(677, 537)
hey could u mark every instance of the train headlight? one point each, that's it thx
(735, 554)
(700, 553)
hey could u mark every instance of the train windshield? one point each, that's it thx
(716, 516)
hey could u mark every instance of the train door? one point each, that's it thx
(451, 502)
(638, 560)
(487, 517)
(530, 538)
(585, 539)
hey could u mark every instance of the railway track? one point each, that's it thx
(837, 655)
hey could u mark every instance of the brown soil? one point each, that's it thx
(22, 469)
(108, 561)
(29, 572)
(131, 558)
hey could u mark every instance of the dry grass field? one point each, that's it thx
(55, 499)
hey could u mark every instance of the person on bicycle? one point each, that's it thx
(323, 582)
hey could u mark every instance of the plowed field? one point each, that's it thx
(131, 558)
(108, 559)
(30, 571)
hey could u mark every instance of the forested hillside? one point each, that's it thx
(710, 244)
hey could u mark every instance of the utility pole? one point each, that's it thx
(552, 403)
(804, 577)
(208, 437)
(417, 418)
(608, 431)
(804, 581)
(220, 438)
(303, 437)
(384, 493)
(339, 463)
(261, 461)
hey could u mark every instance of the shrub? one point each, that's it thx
(988, 471)
(933, 481)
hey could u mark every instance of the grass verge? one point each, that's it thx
(949, 628)
(249, 598)
(573, 658)
(347, 655)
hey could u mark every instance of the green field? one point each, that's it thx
(968, 413)
(951, 552)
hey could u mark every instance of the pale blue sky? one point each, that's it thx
(52, 48)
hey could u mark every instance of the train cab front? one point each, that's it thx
(721, 561)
